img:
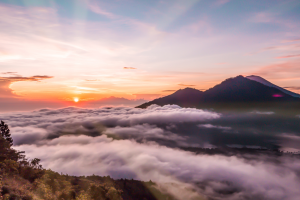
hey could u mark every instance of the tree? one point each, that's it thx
(5, 133)
(6, 142)
(6, 152)
(15, 162)
(8, 156)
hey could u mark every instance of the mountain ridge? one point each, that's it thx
(267, 83)
(232, 90)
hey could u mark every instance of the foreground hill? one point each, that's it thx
(23, 179)
(231, 92)
(53, 185)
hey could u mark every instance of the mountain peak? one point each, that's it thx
(187, 91)
(267, 83)
(238, 89)
(187, 97)
(233, 79)
(240, 76)
(260, 80)
(241, 89)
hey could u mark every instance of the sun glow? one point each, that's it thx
(76, 99)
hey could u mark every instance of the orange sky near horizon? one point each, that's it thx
(51, 89)
(85, 91)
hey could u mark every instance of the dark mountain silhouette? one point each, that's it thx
(267, 83)
(187, 97)
(231, 91)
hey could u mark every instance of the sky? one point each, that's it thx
(52, 52)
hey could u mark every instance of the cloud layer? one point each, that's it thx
(146, 144)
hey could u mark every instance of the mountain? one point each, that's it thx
(115, 101)
(187, 97)
(267, 83)
(241, 89)
(231, 91)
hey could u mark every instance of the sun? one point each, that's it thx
(76, 99)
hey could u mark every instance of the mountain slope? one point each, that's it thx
(241, 89)
(232, 90)
(187, 97)
(267, 83)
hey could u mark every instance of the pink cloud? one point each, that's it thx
(149, 28)
(268, 17)
(97, 9)
(5, 90)
(289, 47)
(291, 40)
(5, 82)
(288, 56)
(289, 70)
(21, 78)
(129, 68)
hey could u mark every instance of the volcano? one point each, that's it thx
(246, 90)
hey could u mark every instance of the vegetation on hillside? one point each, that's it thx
(23, 179)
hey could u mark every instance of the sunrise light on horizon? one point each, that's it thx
(53, 50)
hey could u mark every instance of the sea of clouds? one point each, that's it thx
(148, 144)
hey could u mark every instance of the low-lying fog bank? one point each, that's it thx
(148, 144)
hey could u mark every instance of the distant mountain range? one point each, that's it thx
(247, 90)
(115, 101)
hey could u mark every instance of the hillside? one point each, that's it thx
(23, 179)
(53, 185)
